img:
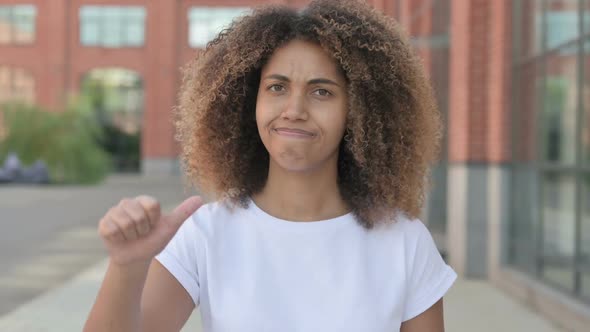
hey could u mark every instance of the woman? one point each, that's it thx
(315, 131)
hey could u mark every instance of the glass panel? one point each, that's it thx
(439, 75)
(5, 24)
(585, 227)
(437, 199)
(134, 33)
(217, 25)
(112, 26)
(560, 104)
(90, 12)
(111, 13)
(90, 32)
(134, 26)
(586, 286)
(16, 84)
(524, 218)
(198, 13)
(558, 228)
(198, 34)
(5, 14)
(530, 15)
(24, 23)
(585, 135)
(562, 23)
(112, 29)
(205, 23)
(24, 85)
(135, 13)
(90, 25)
(528, 84)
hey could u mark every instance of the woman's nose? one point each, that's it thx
(295, 109)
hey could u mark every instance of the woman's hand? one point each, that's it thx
(134, 231)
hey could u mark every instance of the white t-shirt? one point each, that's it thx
(249, 271)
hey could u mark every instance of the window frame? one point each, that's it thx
(13, 21)
(128, 18)
(540, 166)
(212, 31)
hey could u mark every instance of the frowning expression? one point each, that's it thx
(301, 106)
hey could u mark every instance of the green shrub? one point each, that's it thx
(122, 147)
(66, 141)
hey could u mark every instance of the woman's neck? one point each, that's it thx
(302, 196)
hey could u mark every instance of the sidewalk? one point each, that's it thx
(50, 232)
(469, 306)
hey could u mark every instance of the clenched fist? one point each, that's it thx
(134, 231)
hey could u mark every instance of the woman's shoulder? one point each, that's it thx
(412, 229)
(402, 221)
(417, 239)
(215, 215)
(209, 209)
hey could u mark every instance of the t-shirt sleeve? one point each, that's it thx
(181, 255)
(429, 277)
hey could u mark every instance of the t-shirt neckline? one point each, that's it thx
(290, 225)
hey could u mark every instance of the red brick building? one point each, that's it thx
(511, 200)
(53, 60)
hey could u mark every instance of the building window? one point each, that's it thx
(17, 24)
(112, 26)
(434, 43)
(549, 219)
(206, 22)
(16, 84)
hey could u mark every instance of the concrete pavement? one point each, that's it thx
(469, 306)
(49, 232)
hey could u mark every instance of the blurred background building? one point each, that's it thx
(511, 195)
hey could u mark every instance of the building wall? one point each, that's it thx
(58, 61)
(482, 141)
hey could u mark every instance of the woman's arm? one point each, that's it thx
(164, 305)
(138, 294)
(117, 306)
(430, 320)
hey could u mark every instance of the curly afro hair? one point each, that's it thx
(393, 126)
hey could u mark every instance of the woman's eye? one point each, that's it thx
(276, 88)
(322, 92)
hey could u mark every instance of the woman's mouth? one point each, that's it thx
(292, 132)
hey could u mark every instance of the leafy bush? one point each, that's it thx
(66, 141)
(122, 147)
(107, 100)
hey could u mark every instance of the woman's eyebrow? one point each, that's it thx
(322, 81)
(312, 81)
(277, 77)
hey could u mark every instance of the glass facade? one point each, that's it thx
(433, 43)
(206, 22)
(17, 24)
(112, 26)
(550, 212)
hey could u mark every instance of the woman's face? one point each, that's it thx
(301, 106)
